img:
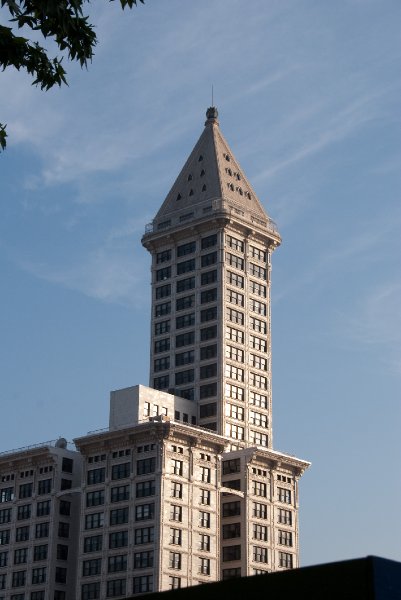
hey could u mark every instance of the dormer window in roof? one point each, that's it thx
(238, 176)
(204, 188)
(227, 157)
(229, 172)
(239, 190)
(230, 186)
(190, 177)
(191, 192)
(178, 197)
(200, 158)
(202, 173)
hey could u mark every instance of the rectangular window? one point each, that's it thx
(204, 566)
(43, 508)
(231, 466)
(235, 412)
(62, 552)
(175, 536)
(164, 256)
(208, 314)
(207, 410)
(144, 535)
(163, 291)
(258, 343)
(117, 563)
(234, 372)
(174, 560)
(258, 253)
(7, 494)
(184, 358)
(260, 532)
(3, 559)
(258, 271)
(177, 467)
(96, 476)
(161, 364)
(231, 530)
(209, 296)
(64, 508)
(235, 316)
(162, 309)
(185, 284)
(116, 587)
(207, 352)
(161, 383)
(209, 241)
(94, 520)
(67, 465)
(143, 512)
(91, 567)
(24, 512)
(63, 530)
(176, 513)
(176, 489)
(143, 560)
(235, 298)
(259, 439)
(205, 474)
(25, 490)
(234, 353)
(143, 584)
(208, 333)
(231, 553)
(208, 371)
(185, 302)
(94, 543)
(118, 539)
(208, 277)
(235, 243)
(234, 392)
(90, 591)
(204, 519)
(258, 307)
(19, 579)
(284, 516)
(95, 498)
(188, 248)
(260, 554)
(146, 465)
(205, 496)
(260, 510)
(174, 583)
(40, 552)
(231, 573)
(258, 289)
(234, 431)
(20, 556)
(185, 321)
(204, 544)
(162, 327)
(258, 325)
(183, 377)
(235, 335)
(235, 261)
(285, 560)
(145, 488)
(163, 274)
(186, 266)
(235, 279)
(21, 535)
(284, 495)
(162, 345)
(41, 530)
(258, 399)
(208, 390)
(5, 515)
(118, 516)
(285, 538)
(258, 419)
(209, 259)
(258, 381)
(185, 339)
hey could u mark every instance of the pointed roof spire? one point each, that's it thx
(211, 179)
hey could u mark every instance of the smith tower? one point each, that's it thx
(211, 244)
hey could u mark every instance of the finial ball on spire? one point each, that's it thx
(212, 113)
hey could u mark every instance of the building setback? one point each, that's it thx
(184, 486)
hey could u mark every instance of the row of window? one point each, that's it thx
(26, 511)
(121, 470)
(40, 530)
(38, 575)
(26, 490)
(187, 248)
(39, 553)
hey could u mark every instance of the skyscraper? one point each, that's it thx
(184, 486)
(211, 244)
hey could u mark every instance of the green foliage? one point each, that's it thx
(64, 22)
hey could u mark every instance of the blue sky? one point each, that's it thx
(308, 94)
